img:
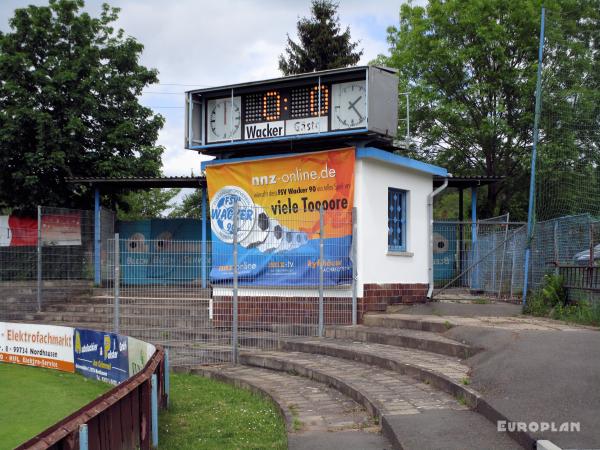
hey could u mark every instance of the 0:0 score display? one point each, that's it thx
(291, 104)
(287, 111)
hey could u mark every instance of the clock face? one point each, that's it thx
(349, 102)
(224, 119)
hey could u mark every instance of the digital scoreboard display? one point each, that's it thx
(296, 107)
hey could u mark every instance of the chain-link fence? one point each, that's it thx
(489, 258)
(484, 257)
(267, 280)
(563, 246)
(567, 181)
(47, 258)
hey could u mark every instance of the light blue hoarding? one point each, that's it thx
(160, 251)
(444, 251)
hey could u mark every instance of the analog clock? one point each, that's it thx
(224, 119)
(349, 101)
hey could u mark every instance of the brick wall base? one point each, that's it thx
(257, 311)
(260, 311)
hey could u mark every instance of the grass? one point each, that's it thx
(34, 399)
(208, 414)
(296, 422)
(551, 301)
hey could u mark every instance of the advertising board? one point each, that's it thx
(160, 251)
(101, 356)
(140, 353)
(46, 346)
(63, 229)
(278, 208)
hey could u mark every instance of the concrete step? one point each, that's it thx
(420, 323)
(80, 308)
(413, 414)
(89, 325)
(67, 317)
(447, 373)
(156, 310)
(421, 340)
(316, 414)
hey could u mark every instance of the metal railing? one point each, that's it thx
(275, 279)
(47, 258)
(484, 256)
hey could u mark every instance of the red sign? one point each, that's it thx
(56, 230)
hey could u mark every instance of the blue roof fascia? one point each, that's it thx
(216, 162)
(398, 160)
(226, 145)
(361, 153)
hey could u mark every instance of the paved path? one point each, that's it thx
(417, 415)
(530, 369)
(321, 417)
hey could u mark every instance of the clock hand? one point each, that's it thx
(352, 106)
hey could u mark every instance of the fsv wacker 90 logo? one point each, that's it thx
(255, 228)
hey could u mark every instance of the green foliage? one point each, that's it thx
(190, 207)
(550, 295)
(470, 69)
(568, 161)
(553, 291)
(551, 300)
(69, 105)
(322, 44)
(207, 414)
(446, 205)
(148, 204)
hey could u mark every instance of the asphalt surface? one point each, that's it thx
(475, 432)
(345, 440)
(540, 375)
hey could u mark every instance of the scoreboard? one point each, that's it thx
(347, 101)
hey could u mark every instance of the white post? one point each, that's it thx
(234, 325)
(321, 273)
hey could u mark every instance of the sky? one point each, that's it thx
(205, 43)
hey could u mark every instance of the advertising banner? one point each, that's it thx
(140, 353)
(37, 345)
(63, 229)
(160, 251)
(102, 356)
(278, 202)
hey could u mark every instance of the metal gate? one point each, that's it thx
(483, 257)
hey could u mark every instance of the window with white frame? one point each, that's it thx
(396, 220)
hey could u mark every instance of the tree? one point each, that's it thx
(322, 44)
(147, 204)
(69, 87)
(470, 69)
(190, 207)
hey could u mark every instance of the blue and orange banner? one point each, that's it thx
(279, 199)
